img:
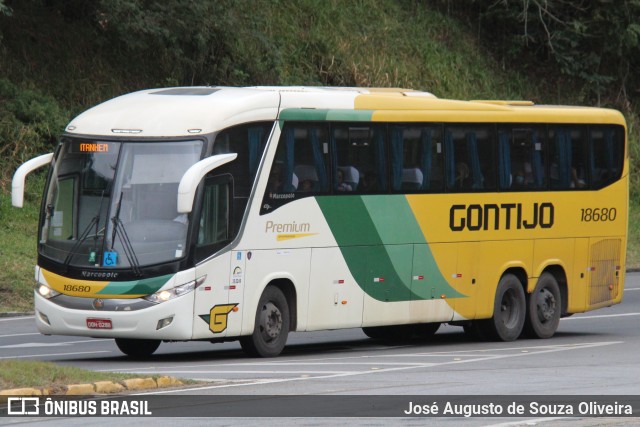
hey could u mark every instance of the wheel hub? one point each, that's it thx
(546, 303)
(271, 321)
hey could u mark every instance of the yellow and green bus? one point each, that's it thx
(217, 213)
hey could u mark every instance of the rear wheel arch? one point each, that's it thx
(558, 272)
(287, 287)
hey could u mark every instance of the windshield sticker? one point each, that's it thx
(110, 259)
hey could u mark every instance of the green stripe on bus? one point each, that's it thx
(383, 247)
(136, 287)
(323, 115)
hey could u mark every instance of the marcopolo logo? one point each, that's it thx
(506, 216)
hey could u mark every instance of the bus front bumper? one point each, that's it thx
(170, 320)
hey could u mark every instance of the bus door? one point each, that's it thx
(217, 298)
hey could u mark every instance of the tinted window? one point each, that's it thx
(521, 153)
(416, 158)
(359, 163)
(607, 154)
(568, 157)
(470, 158)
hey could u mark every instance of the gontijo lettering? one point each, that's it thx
(501, 217)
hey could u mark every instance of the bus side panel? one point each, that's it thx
(466, 279)
(556, 252)
(279, 267)
(384, 282)
(579, 279)
(494, 259)
(335, 299)
(432, 294)
(212, 314)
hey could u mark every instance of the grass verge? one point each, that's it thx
(20, 374)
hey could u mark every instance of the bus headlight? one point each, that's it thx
(46, 292)
(168, 294)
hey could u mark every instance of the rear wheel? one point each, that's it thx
(271, 325)
(543, 308)
(137, 348)
(509, 310)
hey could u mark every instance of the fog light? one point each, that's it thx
(163, 323)
(44, 318)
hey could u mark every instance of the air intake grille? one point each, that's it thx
(605, 266)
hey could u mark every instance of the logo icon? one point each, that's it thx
(217, 317)
(25, 406)
(98, 304)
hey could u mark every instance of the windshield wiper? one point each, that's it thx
(119, 230)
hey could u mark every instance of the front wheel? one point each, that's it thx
(137, 348)
(544, 306)
(509, 310)
(271, 325)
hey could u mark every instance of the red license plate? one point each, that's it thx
(99, 324)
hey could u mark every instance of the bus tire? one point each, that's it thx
(137, 348)
(509, 310)
(543, 308)
(271, 327)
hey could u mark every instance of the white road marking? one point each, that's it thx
(16, 318)
(600, 316)
(20, 335)
(52, 344)
(544, 349)
(532, 422)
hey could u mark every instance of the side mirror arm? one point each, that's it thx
(192, 177)
(17, 184)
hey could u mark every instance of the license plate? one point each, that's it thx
(99, 323)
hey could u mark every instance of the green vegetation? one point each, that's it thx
(59, 58)
(19, 374)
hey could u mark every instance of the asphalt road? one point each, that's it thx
(594, 353)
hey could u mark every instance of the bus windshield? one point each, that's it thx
(114, 204)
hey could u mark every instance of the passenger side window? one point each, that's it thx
(568, 157)
(359, 159)
(470, 158)
(416, 159)
(213, 232)
(299, 168)
(607, 154)
(249, 142)
(521, 157)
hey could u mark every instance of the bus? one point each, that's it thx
(221, 213)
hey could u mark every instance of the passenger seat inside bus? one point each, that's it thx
(412, 179)
(351, 176)
(306, 173)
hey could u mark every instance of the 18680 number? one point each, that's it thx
(77, 288)
(598, 214)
